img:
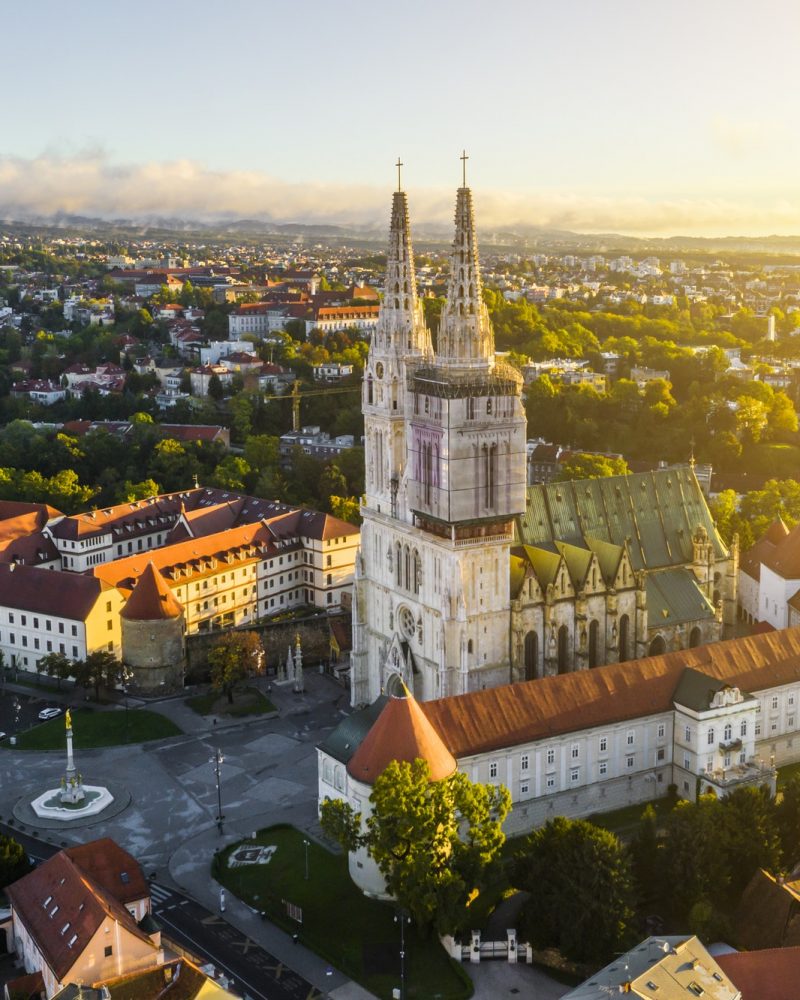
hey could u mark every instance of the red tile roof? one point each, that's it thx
(151, 598)
(106, 862)
(770, 974)
(62, 907)
(532, 710)
(64, 595)
(403, 733)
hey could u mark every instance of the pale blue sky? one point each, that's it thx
(662, 116)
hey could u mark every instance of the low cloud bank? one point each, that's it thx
(90, 184)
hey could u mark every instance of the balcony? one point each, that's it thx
(723, 781)
(731, 746)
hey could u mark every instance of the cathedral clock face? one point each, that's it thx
(379, 370)
(405, 620)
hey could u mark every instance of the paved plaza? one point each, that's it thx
(268, 776)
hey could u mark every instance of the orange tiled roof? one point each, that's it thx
(151, 598)
(403, 733)
(550, 706)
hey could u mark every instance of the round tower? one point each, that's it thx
(153, 634)
(401, 732)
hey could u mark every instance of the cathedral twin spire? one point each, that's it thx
(466, 339)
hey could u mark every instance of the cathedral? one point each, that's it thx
(466, 579)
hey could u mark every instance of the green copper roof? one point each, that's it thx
(545, 562)
(696, 690)
(673, 596)
(517, 569)
(608, 555)
(346, 738)
(577, 560)
(655, 513)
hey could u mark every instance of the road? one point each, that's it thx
(250, 969)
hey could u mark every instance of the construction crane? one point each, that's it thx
(295, 395)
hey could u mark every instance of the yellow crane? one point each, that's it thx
(295, 395)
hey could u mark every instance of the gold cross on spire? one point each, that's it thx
(464, 159)
(398, 165)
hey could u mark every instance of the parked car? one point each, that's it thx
(2, 736)
(49, 713)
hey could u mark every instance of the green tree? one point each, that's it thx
(582, 889)
(215, 389)
(695, 865)
(435, 842)
(583, 466)
(751, 838)
(14, 862)
(788, 817)
(233, 658)
(231, 473)
(56, 665)
(645, 861)
(100, 669)
(346, 509)
(261, 451)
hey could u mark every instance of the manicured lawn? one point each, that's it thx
(249, 701)
(97, 729)
(356, 934)
(624, 822)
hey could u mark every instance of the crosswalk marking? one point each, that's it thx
(158, 893)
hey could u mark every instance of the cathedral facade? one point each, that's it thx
(467, 580)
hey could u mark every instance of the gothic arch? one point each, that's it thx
(695, 637)
(657, 646)
(563, 650)
(624, 638)
(531, 655)
(594, 643)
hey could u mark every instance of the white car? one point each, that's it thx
(49, 713)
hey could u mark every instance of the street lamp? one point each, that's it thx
(127, 677)
(402, 919)
(305, 844)
(217, 760)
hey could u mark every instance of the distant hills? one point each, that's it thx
(523, 238)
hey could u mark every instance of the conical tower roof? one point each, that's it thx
(151, 598)
(466, 339)
(401, 732)
(401, 325)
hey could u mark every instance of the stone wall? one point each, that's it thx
(314, 632)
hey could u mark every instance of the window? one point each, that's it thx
(523, 788)
(603, 744)
(74, 629)
(576, 750)
(574, 774)
(108, 951)
(61, 628)
(329, 561)
(493, 769)
(687, 764)
(551, 781)
(743, 757)
(791, 699)
(790, 722)
(551, 756)
(661, 730)
(523, 763)
(629, 761)
(758, 729)
(710, 738)
(660, 754)
(630, 738)
(603, 768)
(687, 734)
(726, 760)
(727, 733)
(743, 728)
(774, 700)
(35, 622)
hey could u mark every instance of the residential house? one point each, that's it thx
(83, 917)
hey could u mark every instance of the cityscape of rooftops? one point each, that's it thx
(400, 501)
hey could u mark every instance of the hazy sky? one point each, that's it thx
(588, 114)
